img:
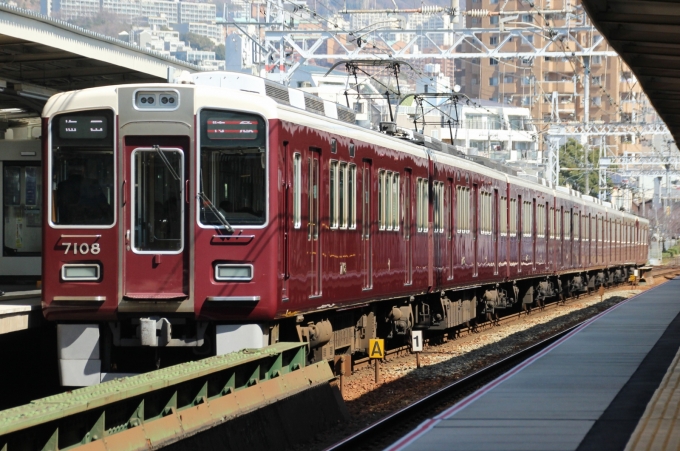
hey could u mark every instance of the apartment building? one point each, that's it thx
(552, 88)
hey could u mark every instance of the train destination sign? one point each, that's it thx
(230, 129)
(82, 127)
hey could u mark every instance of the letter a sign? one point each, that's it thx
(376, 348)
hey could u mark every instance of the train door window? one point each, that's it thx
(527, 219)
(438, 204)
(352, 196)
(463, 209)
(513, 217)
(551, 223)
(577, 227)
(558, 224)
(504, 216)
(567, 224)
(422, 203)
(381, 200)
(22, 194)
(157, 200)
(297, 190)
(387, 196)
(449, 204)
(333, 194)
(394, 191)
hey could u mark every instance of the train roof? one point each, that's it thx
(305, 109)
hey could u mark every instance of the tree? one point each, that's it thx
(572, 155)
(198, 42)
(220, 52)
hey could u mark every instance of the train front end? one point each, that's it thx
(159, 233)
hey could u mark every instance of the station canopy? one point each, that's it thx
(647, 36)
(41, 56)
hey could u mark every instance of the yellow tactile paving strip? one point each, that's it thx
(659, 427)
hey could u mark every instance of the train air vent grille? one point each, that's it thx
(278, 94)
(346, 115)
(314, 105)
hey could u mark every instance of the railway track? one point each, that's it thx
(361, 363)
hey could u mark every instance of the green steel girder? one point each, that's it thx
(162, 406)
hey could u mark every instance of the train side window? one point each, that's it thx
(442, 207)
(504, 216)
(513, 217)
(540, 221)
(297, 191)
(333, 194)
(438, 206)
(486, 213)
(352, 196)
(342, 195)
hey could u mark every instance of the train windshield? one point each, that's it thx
(233, 169)
(82, 169)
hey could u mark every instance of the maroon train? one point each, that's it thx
(233, 212)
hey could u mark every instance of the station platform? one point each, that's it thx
(20, 310)
(611, 384)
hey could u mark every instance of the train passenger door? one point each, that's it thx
(408, 247)
(475, 228)
(156, 256)
(314, 229)
(366, 232)
(494, 230)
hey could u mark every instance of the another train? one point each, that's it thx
(233, 212)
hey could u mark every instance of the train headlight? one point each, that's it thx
(80, 272)
(231, 272)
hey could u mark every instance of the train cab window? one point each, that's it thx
(82, 185)
(297, 190)
(514, 216)
(233, 168)
(22, 206)
(504, 216)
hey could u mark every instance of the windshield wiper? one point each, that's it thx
(218, 214)
(167, 164)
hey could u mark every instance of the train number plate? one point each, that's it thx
(81, 248)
